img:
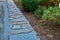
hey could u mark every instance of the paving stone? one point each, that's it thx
(19, 19)
(16, 27)
(24, 26)
(20, 31)
(15, 16)
(12, 14)
(19, 22)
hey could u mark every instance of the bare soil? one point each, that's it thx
(45, 34)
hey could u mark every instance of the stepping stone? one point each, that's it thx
(18, 22)
(16, 27)
(25, 25)
(18, 19)
(14, 32)
(15, 14)
(12, 16)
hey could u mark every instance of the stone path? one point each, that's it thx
(1, 24)
(16, 26)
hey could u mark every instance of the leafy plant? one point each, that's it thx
(39, 11)
(30, 5)
(52, 14)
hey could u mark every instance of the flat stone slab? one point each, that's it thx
(19, 31)
(19, 22)
(15, 16)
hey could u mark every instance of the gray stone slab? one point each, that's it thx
(19, 22)
(15, 16)
(16, 27)
(14, 32)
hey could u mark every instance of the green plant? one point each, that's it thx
(39, 11)
(30, 5)
(52, 14)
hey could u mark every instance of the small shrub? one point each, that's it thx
(52, 14)
(30, 5)
(39, 11)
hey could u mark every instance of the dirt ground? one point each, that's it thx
(39, 29)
